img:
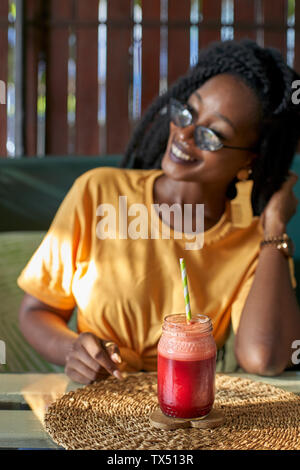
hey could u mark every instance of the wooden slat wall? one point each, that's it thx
(3, 75)
(150, 52)
(275, 12)
(33, 47)
(245, 13)
(87, 131)
(119, 40)
(178, 39)
(57, 79)
(47, 36)
(211, 15)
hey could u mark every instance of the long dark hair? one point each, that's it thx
(262, 69)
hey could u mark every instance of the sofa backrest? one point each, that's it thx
(31, 189)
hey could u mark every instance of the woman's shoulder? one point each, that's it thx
(112, 177)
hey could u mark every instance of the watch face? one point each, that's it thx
(287, 247)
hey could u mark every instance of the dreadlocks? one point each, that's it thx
(263, 70)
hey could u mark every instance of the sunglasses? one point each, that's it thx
(205, 138)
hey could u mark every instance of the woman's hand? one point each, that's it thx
(91, 358)
(280, 208)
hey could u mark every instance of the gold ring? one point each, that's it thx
(109, 344)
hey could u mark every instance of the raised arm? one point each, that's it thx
(270, 320)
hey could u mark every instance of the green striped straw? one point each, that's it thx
(185, 290)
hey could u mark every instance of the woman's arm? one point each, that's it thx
(85, 356)
(270, 320)
(46, 329)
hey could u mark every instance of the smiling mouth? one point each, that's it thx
(181, 155)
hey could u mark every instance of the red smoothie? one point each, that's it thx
(186, 388)
(186, 366)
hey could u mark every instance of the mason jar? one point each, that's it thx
(186, 366)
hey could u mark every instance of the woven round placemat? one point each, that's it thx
(115, 415)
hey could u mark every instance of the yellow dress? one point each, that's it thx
(124, 287)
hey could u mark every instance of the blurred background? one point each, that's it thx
(78, 74)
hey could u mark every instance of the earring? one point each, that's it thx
(241, 206)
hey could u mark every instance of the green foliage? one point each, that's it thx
(291, 8)
(71, 103)
(41, 105)
(12, 10)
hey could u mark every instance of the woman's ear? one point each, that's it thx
(251, 159)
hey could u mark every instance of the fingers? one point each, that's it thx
(80, 365)
(82, 355)
(77, 377)
(96, 349)
(91, 344)
(77, 367)
(91, 357)
(105, 360)
(292, 178)
(113, 351)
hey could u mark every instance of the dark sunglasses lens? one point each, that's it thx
(179, 114)
(206, 139)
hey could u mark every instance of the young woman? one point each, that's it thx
(228, 127)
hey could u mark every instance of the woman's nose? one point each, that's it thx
(186, 133)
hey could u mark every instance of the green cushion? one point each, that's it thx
(15, 250)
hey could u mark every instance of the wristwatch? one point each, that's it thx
(283, 243)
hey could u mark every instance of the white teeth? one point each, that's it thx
(180, 154)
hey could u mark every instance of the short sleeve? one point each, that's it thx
(49, 273)
(239, 302)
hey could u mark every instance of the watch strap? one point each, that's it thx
(282, 243)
